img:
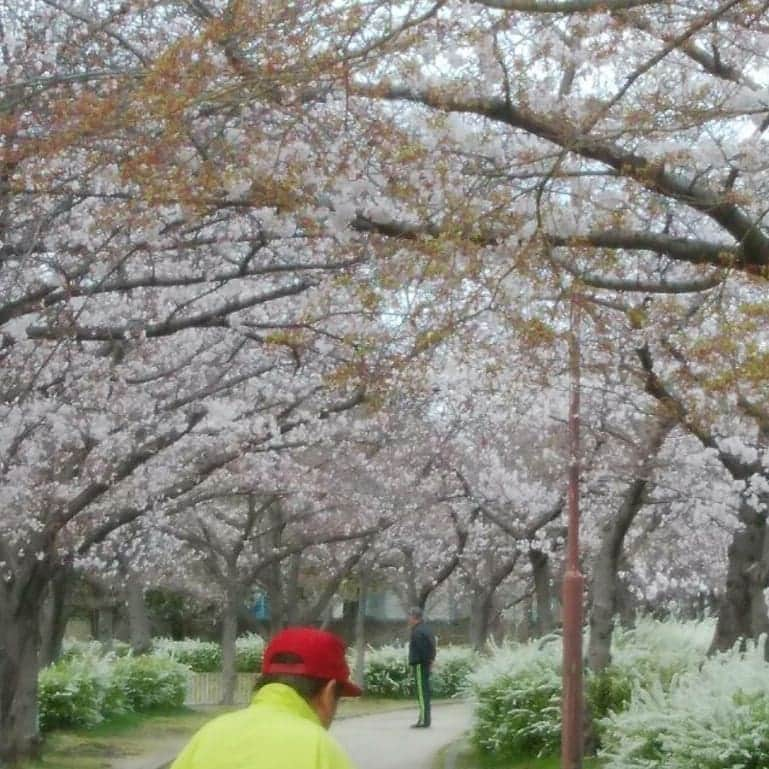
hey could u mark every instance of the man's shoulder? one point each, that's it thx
(276, 737)
(234, 719)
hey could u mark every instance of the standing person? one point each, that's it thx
(304, 673)
(421, 658)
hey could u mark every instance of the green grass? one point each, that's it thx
(469, 758)
(130, 735)
(144, 734)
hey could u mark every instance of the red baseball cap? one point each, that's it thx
(321, 652)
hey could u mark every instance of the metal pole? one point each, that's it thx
(573, 582)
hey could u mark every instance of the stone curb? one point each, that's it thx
(452, 753)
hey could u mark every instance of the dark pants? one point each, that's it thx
(422, 683)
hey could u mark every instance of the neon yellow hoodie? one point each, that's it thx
(279, 730)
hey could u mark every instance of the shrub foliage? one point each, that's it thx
(715, 716)
(661, 704)
(82, 690)
(206, 656)
(388, 673)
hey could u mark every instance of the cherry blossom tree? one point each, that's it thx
(164, 309)
(618, 148)
(225, 226)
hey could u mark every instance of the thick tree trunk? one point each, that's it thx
(273, 574)
(138, 618)
(412, 591)
(53, 618)
(543, 592)
(523, 628)
(277, 604)
(105, 625)
(604, 587)
(480, 618)
(229, 636)
(19, 640)
(291, 589)
(360, 635)
(742, 612)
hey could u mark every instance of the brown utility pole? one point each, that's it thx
(572, 710)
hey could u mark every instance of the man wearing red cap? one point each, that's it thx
(304, 673)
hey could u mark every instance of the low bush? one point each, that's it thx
(608, 692)
(199, 656)
(518, 693)
(657, 651)
(82, 690)
(206, 656)
(653, 653)
(151, 682)
(715, 717)
(249, 649)
(388, 673)
(661, 703)
(452, 668)
(72, 649)
(71, 693)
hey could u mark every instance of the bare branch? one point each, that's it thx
(218, 317)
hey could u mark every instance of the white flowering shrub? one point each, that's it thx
(199, 656)
(85, 689)
(388, 673)
(71, 693)
(657, 651)
(72, 649)
(518, 693)
(249, 650)
(714, 717)
(452, 668)
(650, 654)
(151, 682)
(518, 690)
(206, 656)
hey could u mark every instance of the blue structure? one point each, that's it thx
(261, 607)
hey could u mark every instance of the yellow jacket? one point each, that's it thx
(279, 730)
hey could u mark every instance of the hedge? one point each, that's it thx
(83, 690)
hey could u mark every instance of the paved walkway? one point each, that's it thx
(377, 741)
(384, 740)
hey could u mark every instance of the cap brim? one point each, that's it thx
(349, 689)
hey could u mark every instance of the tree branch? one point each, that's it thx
(218, 317)
(680, 249)
(651, 175)
(564, 6)
(136, 458)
